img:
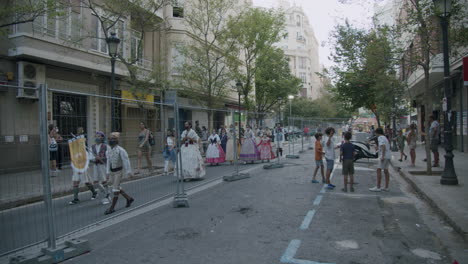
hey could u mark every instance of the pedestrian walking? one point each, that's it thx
(169, 153)
(117, 162)
(347, 153)
(214, 153)
(144, 148)
(80, 176)
(249, 151)
(318, 158)
(193, 166)
(330, 147)
(230, 144)
(400, 140)
(412, 138)
(384, 161)
(99, 152)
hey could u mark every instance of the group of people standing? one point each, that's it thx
(220, 148)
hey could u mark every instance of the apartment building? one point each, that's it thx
(69, 53)
(179, 35)
(413, 75)
(301, 47)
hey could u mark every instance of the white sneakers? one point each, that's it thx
(105, 201)
(377, 189)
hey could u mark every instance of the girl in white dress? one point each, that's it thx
(214, 153)
(249, 151)
(230, 145)
(192, 161)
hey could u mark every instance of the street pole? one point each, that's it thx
(51, 235)
(449, 177)
(112, 94)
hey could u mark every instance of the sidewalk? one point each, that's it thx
(449, 201)
(26, 187)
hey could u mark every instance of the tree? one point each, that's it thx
(365, 71)
(273, 80)
(205, 74)
(253, 31)
(419, 22)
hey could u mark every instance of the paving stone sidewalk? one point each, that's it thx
(449, 201)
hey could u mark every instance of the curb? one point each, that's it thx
(432, 203)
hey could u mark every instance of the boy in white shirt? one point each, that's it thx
(384, 161)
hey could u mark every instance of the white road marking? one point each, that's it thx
(307, 219)
(318, 199)
(288, 256)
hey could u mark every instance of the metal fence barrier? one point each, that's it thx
(172, 146)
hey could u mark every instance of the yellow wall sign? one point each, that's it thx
(149, 98)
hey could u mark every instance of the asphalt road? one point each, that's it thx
(279, 216)
(25, 225)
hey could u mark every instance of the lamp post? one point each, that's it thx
(449, 177)
(113, 45)
(290, 156)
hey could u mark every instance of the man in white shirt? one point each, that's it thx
(384, 161)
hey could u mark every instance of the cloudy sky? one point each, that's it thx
(324, 14)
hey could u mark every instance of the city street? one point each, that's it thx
(278, 216)
(27, 224)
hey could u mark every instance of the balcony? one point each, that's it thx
(436, 74)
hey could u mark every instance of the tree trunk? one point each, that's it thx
(210, 121)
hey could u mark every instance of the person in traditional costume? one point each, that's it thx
(169, 153)
(223, 137)
(192, 161)
(249, 151)
(99, 161)
(81, 176)
(230, 145)
(264, 147)
(117, 162)
(214, 153)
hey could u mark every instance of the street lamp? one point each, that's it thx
(113, 45)
(449, 177)
(239, 86)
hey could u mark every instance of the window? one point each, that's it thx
(99, 41)
(136, 52)
(178, 8)
(302, 62)
(286, 36)
(303, 77)
(298, 20)
(64, 27)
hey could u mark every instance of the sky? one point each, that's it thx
(325, 14)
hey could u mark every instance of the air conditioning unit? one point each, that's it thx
(29, 75)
